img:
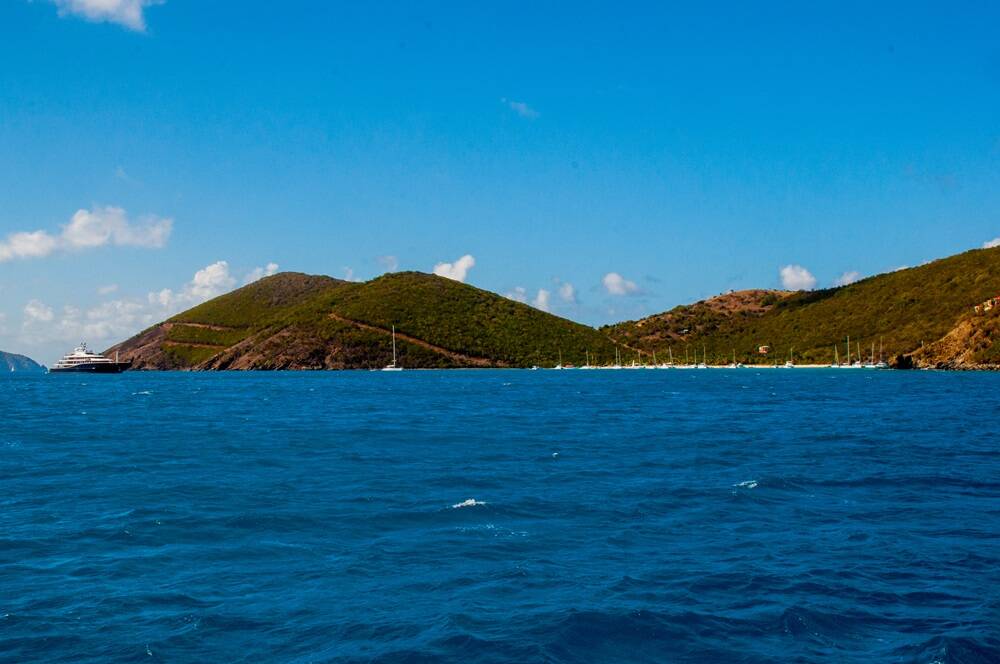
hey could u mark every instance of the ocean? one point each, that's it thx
(501, 516)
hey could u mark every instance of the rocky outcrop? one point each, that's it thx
(973, 344)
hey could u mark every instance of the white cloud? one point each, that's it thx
(520, 107)
(349, 274)
(210, 281)
(259, 273)
(388, 263)
(567, 293)
(616, 284)
(796, 277)
(27, 245)
(115, 320)
(107, 321)
(38, 311)
(519, 294)
(458, 270)
(847, 278)
(127, 13)
(88, 229)
(990, 244)
(107, 290)
(541, 300)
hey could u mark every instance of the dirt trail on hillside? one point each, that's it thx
(457, 357)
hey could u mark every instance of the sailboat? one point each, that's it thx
(882, 364)
(836, 359)
(560, 365)
(790, 364)
(393, 366)
(704, 358)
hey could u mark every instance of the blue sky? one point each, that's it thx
(604, 162)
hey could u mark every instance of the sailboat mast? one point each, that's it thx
(393, 345)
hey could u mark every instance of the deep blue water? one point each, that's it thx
(731, 516)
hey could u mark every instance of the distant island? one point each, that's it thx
(932, 316)
(13, 362)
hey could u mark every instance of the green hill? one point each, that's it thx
(298, 321)
(921, 316)
(902, 310)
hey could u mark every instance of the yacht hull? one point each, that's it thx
(95, 368)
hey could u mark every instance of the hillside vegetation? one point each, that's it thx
(921, 316)
(297, 321)
(902, 310)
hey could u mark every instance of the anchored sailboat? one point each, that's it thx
(393, 366)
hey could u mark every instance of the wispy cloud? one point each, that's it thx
(458, 271)
(990, 244)
(259, 273)
(847, 278)
(542, 300)
(616, 284)
(519, 294)
(796, 277)
(107, 290)
(88, 229)
(36, 311)
(520, 107)
(127, 13)
(388, 263)
(567, 292)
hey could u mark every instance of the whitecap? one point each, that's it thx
(748, 484)
(143, 392)
(471, 502)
